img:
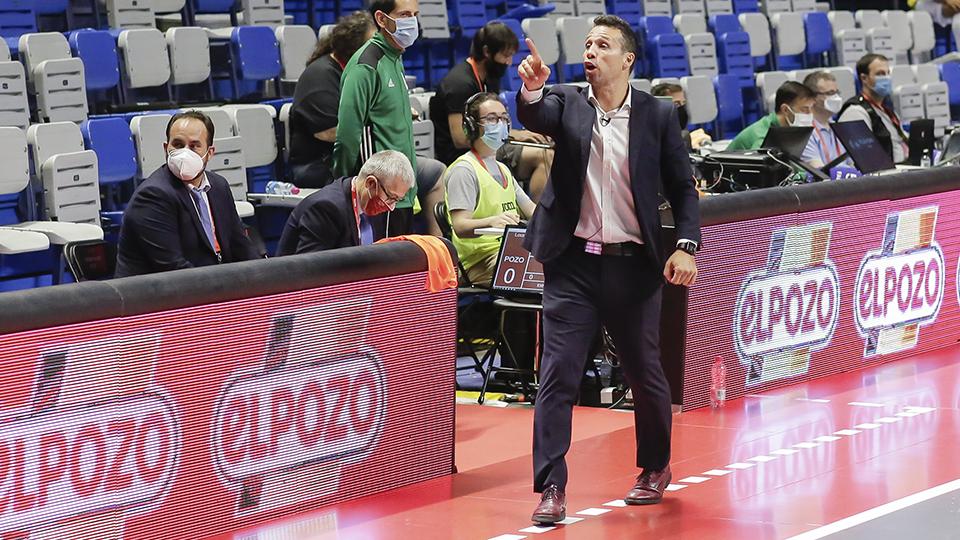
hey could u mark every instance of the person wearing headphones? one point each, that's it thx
(480, 191)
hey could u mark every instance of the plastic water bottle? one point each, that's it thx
(281, 188)
(925, 160)
(718, 383)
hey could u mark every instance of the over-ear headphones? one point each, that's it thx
(471, 125)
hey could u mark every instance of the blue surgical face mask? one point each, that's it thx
(408, 29)
(883, 86)
(495, 135)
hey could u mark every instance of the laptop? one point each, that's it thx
(951, 149)
(922, 139)
(789, 140)
(517, 273)
(862, 146)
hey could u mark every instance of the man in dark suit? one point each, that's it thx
(597, 233)
(338, 215)
(182, 216)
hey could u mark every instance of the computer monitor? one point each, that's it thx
(789, 140)
(863, 146)
(517, 273)
(921, 140)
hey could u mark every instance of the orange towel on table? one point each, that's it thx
(441, 273)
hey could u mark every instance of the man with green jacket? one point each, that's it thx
(375, 112)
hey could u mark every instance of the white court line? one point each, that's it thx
(812, 400)
(740, 465)
(570, 521)
(806, 445)
(674, 487)
(847, 432)
(868, 425)
(919, 409)
(785, 452)
(616, 503)
(864, 404)
(717, 472)
(593, 512)
(694, 480)
(762, 459)
(878, 511)
(508, 537)
(537, 529)
(907, 414)
(827, 438)
(888, 420)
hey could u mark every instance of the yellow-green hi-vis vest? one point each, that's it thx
(493, 199)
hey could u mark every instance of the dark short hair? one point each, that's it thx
(496, 37)
(628, 38)
(791, 91)
(473, 111)
(666, 89)
(196, 115)
(863, 64)
(813, 79)
(346, 37)
(386, 6)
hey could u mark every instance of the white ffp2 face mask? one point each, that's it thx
(801, 119)
(185, 164)
(833, 103)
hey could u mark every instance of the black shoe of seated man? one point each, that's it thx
(649, 487)
(552, 507)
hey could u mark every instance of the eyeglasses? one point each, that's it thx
(830, 93)
(391, 199)
(493, 118)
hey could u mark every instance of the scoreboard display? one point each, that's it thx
(517, 271)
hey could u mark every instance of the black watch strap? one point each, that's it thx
(688, 247)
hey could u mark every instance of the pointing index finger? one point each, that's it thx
(533, 49)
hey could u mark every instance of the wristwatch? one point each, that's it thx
(688, 247)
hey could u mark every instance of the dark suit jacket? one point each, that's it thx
(161, 229)
(658, 157)
(324, 220)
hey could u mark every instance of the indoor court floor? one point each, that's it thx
(870, 454)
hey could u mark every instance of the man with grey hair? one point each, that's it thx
(338, 215)
(823, 145)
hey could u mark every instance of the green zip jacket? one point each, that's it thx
(374, 110)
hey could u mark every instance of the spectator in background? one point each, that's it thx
(944, 14)
(491, 54)
(793, 106)
(375, 114)
(693, 139)
(481, 192)
(823, 145)
(313, 117)
(339, 215)
(874, 106)
(182, 216)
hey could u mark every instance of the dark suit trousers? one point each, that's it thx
(581, 292)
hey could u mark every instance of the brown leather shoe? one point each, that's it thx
(552, 507)
(649, 487)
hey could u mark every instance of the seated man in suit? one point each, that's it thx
(338, 215)
(481, 192)
(182, 216)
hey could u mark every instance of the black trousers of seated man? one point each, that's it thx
(581, 292)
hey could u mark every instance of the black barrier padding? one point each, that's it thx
(744, 205)
(916, 183)
(846, 192)
(72, 303)
(80, 302)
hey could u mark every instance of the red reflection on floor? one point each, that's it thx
(909, 418)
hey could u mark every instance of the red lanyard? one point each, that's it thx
(891, 114)
(476, 75)
(824, 151)
(503, 177)
(356, 210)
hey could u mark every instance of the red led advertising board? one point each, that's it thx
(789, 298)
(191, 422)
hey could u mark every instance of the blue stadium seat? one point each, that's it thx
(101, 65)
(254, 57)
(665, 48)
(950, 74)
(628, 10)
(415, 62)
(733, 54)
(511, 81)
(729, 105)
(746, 6)
(17, 17)
(819, 36)
(520, 10)
(721, 24)
(112, 140)
(467, 16)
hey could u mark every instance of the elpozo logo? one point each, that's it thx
(79, 454)
(900, 286)
(320, 400)
(790, 307)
